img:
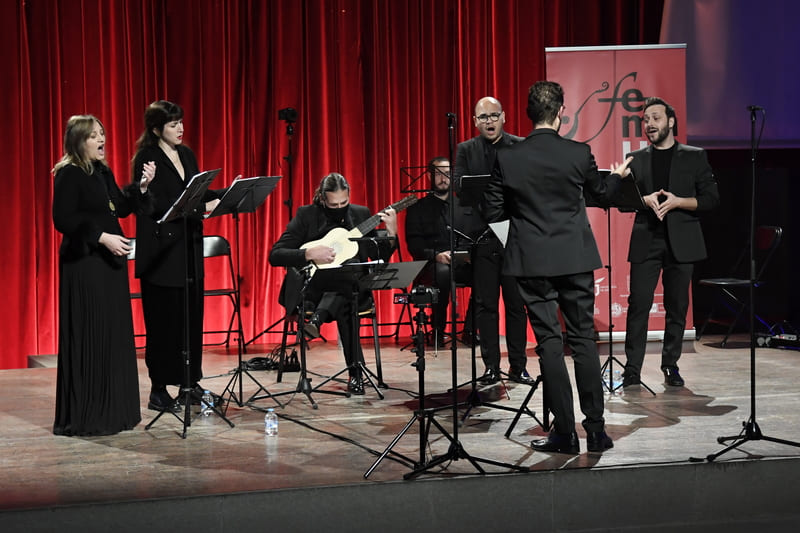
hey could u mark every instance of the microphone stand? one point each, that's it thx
(289, 163)
(456, 450)
(750, 430)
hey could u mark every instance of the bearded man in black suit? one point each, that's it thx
(676, 183)
(538, 184)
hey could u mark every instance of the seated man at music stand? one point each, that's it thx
(428, 238)
(331, 209)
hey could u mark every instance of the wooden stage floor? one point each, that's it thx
(338, 442)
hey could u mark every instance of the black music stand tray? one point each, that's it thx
(243, 196)
(184, 206)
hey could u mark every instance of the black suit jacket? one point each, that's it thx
(539, 185)
(160, 248)
(475, 157)
(690, 176)
(82, 213)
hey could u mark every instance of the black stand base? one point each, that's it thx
(303, 387)
(230, 389)
(456, 452)
(523, 408)
(750, 431)
(366, 374)
(609, 385)
(185, 397)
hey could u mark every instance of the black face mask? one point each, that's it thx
(335, 214)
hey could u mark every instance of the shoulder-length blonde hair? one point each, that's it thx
(79, 128)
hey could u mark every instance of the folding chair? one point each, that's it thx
(733, 288)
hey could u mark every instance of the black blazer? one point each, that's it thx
(690, 176)
(475, 157)
(539, 185)
(81, 211)
(160, 248)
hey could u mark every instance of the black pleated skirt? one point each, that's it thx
(97, 386)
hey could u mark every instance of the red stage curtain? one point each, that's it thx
(371, 81)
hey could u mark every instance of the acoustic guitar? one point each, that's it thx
(339, 238)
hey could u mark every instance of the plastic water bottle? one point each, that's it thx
(270, 422)
(207, 403)
(612, 383)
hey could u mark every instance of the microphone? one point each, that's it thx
(451, 115)
(460, 234)
(755, 108)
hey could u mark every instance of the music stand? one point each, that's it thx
(388, 276)
(185, 205)
(627, 199)
(243, 196)
(303, 382)
(359, 277)
(414, 174)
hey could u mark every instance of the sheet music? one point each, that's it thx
(501, 230)
(191, 195)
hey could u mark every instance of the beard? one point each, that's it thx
(660, 135)
(441, 188)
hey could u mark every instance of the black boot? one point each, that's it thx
(160, 400)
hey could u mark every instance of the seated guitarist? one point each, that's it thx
(331, 209)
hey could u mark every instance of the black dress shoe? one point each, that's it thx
(355, 386)
(311, 328)
(630, 380)
(598, 441)
(672, 377)
(558, 442)
(521, 377)
(490, 376)
(162, 401)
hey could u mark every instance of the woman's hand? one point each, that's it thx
(116, 244)
(148, 173)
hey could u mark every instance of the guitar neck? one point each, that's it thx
(372, 222)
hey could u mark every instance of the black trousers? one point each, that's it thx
(644, 277)
(574, 296)
(164, 310)
(339, 307)
(487, 265)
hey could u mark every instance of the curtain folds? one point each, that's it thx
(372, 82)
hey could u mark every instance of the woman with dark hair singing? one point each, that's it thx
(161, 258)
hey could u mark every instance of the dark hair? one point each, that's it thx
(333, 182)
(156, 116)
(79, 129)
(545, 99)
(432, 165)
(655, 100)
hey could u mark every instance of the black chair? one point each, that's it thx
(135, 295)
(733, 289)
(218, 246)
(213, 246)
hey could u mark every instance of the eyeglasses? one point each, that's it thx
(491, 117)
